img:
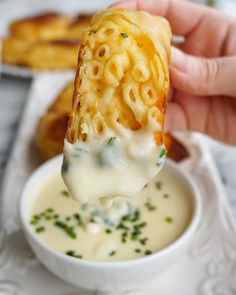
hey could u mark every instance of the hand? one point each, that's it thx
(202, 70)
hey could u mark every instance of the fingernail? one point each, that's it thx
(178, 59)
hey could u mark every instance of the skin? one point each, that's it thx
(202, 69)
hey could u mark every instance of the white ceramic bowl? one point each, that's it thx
(107, 276)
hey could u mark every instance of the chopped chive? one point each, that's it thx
(143, 224)
(67, 229)
(80, 221)
(149, 205)
(65, 193)
(72, 254)
(163, 153)
(122, 226)
(137, 250)
(168, 219)
(68, 218)
(123, 35)
(70, 231)
(36, 217)
(166, 196)
(143, 241)
(112, 253)
(55, 216)
(48, 217)
(108, 230)
(148, 252)
(40, 229)
(111, 140)
(50, 210)
(60, 224)
(158, 185)
(134, 237)
(77, 216)
(125, 234)
(34, 221)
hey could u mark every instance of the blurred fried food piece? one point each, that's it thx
(56, 54)
(14, 50)
(77, 25)
(47, 41)
(46, 26)
(52, 125)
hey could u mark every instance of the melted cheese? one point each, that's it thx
(112, 166)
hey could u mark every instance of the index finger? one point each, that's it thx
(183, 16)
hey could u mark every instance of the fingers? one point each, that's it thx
(183, 16)
(175, 118)
(202, 76)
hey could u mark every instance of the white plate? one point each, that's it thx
(208, 268)
(14, 9)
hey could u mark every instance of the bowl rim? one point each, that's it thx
(185, 235)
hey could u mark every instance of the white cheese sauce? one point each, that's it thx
(132, 228)
(112, 165)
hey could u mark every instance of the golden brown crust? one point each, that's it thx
(122, 75)
(52, 125)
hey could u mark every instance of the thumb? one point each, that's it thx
(203, 76)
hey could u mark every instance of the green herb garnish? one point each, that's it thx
(168, 219)
(158, 185)
(65, 193)
(122, 226)
(73, 254)
(163, 153)
(108, 230)
(112, 253)
(137, 250)
(78, 218)
(123, 35)
(36, 217)
(40, 229)
(148, 252)
(50, 210)
(166, 196)
(69, 230)
(150, 206)
(111, 140)
(34, 221)
(143, 241)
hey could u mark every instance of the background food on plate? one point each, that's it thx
(46, 41)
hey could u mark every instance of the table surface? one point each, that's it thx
(13, 95)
